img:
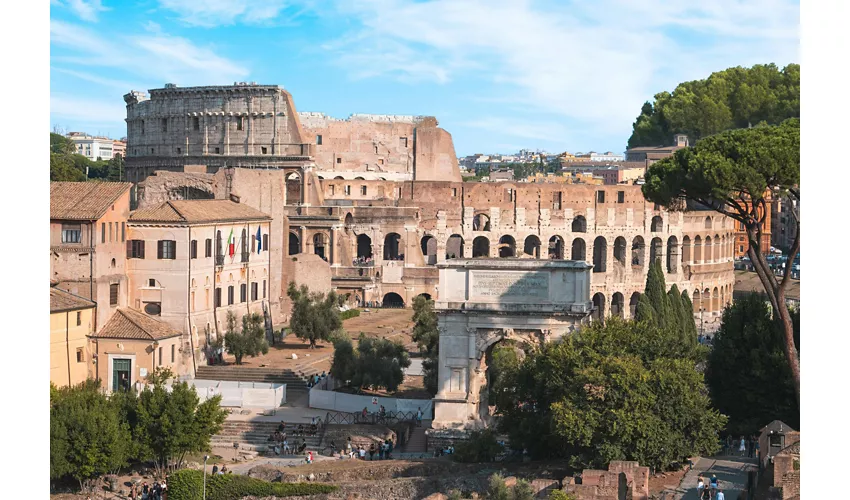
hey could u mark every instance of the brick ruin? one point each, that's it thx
(380, 240)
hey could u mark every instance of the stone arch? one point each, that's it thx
(708, 222)
(600, 255)
(426, 296)
(598, 307)
(364, 246)
(320, 241)
(532, 246)
(556, 247)
(633, 302)
(638, 251)
(620, 250)
(359, 179)
(695, 300)
(686, 250)
(392, 299)
(392, 249)
(507, 246)
(339, 178)
(618, 305)
(706, 299)
(698, 250)
(294, 244)
(672, 254)
(715, 300)
(657, 224)
(293, 188)
(454, 247)
(578, 251)
(428, 244)
(656, 248)
(348, 222)
(481, 222)
(718, 248)
(579, 224)
(480, 247)
(709, 249)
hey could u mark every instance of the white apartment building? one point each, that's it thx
(93, 148)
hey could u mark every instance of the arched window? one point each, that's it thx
(532, 246)
(709, 249)
(556, 247)
(697, 250)
(481, 222)
(657, 224)
(686, 250)
(428, 244)
(617, 305)
(391, 247)
(293, 189)
(454, 247)
(620, 250)
(393, 300)
(638, 251)
(708, 222)
(480, 247)
(600, 255)
(578, 250)
(319, 242)
(633, 302)
(507, 246)
(579, 225)
(364, 246)
(294, 244)
(672, 255)
(656, 247)
(598, 307)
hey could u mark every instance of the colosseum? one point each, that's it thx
(369, 205)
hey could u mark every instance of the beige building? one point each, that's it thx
(71, 321)
(189, 262)
(651, 154)
(87, 242)
(130, 346)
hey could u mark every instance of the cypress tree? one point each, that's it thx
(677, 316)
(644, 310)
(688, 318)
(656, 292)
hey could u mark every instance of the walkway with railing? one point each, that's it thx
(388, 418)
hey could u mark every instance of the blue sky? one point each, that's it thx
(498, 75)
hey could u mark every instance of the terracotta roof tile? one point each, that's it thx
(84, 200)
(198, 211)
(60, 300)
(134, 325)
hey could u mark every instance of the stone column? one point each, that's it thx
(305, 245)
(250, 120)
(332, 258)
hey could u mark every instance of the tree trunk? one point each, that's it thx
(238, 359)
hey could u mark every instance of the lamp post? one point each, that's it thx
(206, 457)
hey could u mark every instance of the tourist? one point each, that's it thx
(145, 490)
(713, 484)
(389, 449)
(365, 412)
(720, 495)
(281, 426)
(224, 469)
(757, 453)
(700, 486)
(286, 448)
(157, 491)
(371, 452)
(309, 457)
(380, 451)
(419, 417)
(164, 486)
(215, 469)
(362, 453)
(743, 446)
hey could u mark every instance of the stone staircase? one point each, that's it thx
(296, 383)
(417, 441)
(254, 436)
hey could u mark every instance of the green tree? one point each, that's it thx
(747, 374)
(251, 341)
(503, 363)
(63, 169)
(171, 424)
(736, 173)
(497, 490)
(426, 334)
(315, 316)
(61, 145)
(344, 364)
(115, 169)
(612, 391)
(87, 436)
(733, 98)
(380, 363)
(481, 446)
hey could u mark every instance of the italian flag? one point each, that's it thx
(231, 244)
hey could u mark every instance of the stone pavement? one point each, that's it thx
(731, 475)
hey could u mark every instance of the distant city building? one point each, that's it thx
(651, 154)
(94, 148)
(501, 175)
(608, 156)
(784, 223)
(119, 148)
(618, 173)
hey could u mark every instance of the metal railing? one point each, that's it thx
(388, 418)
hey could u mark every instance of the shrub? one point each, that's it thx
(481, 446)
(187, 484)
(560, 495)
(351, 313)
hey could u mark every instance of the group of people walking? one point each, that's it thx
(158, 490)
(710, 491)
(743, 447)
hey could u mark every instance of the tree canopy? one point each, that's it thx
(315, 316)
(668, 311)
(733, 98)
(747, 374)
(251, 341)
(612, 391)
(425, 333)
(67, 165)
(376, 363)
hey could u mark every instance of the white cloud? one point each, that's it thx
(85, 10)
(93, 111)
(211, 13)
(122, 85)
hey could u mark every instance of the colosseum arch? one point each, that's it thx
(656, 248)
(532, 246)
(320, 242)
(391, 246)
(364, 246)
(600, 255)
(556, 247)
(598, 307)
(579, 225)
(339, 178)
(686, 250)
(480, 247)
(617, 305)
(507, 246)
(620, 250)
(294, 244)
(697, 250)
(428, 244)
(709, 248)
(672, 254)
(695, 301)
(392, 299)
(578, 250)
(657, 224)
(715, 300)
(359, 179)
(718, 248)
(293, 189)
(706, 300)
(348, 222)
(708, 222)
(633, 302)
(638, 251)
(481, 222)
(454, 247)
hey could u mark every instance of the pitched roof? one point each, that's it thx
(130, 324)
(776, 425)
(84, 200)
(198, 211)
(60, 300)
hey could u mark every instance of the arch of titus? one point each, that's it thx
(484, 301)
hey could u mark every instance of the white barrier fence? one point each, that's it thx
(260, 395)
(352, 403)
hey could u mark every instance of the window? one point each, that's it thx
(243, 292)
(510, 194)
(402, 141)
(110, 232)
(217, 150)
(193, 249)
(621, 196)
(254, 289)
(264, 288)
(71, 233)
(347, 190)
(143, 127)
(80, 357)
(152, 283)
(179, 151)
(172, 352)
(741, 248)
(264, 150)
(103, 232)
(165, 124)
(218, 297)
(196, 123)
(454, 192)
(123, 232)
(79, 318)
(230, 295)
(339, 160)
(166, 249)
(153, 308)
(160, 356)
(600, 197)
(363, 190)
(135, 249)
(208, 248)
(151, 150)
(318, 140)
(240, 123)
(333, 189)
(266, 242)
(192, 301)
(113, 294)
(556, 200)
